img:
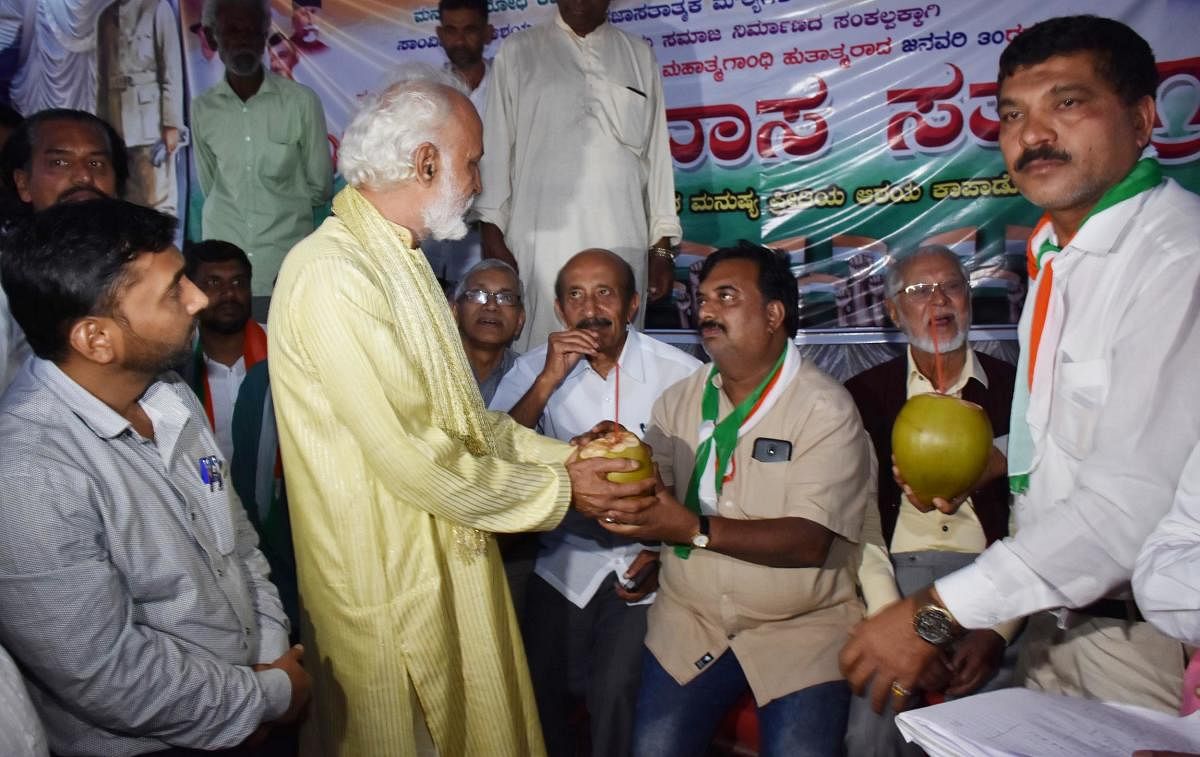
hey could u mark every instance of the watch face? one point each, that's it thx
(933, 625)
(700, 540)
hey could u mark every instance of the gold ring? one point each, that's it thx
(900, 691)
(610, 520)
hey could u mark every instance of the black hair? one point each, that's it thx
(479, 6)
(1123, 58)
(775, 279)
(18, 152)
(9, 117)
(70, 261)
(212, 251)
(628, 277)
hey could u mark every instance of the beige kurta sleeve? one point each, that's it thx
(342, 325)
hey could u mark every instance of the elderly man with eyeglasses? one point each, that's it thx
(490, 313)
(929, 299)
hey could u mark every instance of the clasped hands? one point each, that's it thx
(642, 510)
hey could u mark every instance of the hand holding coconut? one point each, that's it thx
(612, 477)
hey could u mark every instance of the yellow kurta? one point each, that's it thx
(378, 498)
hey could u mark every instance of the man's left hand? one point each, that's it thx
(647, 560)
(660, 278)
(975, 659)
(885, 648)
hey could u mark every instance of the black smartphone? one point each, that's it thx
(772, 450)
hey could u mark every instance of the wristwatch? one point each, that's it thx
(700, 540)
(934, 624)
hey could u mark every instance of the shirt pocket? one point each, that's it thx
(624, 114)
(762, 492)
(1080, 389)
(280, 159)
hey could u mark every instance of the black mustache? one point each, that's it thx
(1041, 153)
(593, 323)
(711, 324)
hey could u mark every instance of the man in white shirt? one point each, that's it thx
(576, 154)
(1104, 412)
(583, 632)
(463, 33)
(229, 342)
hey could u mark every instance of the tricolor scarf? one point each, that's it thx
(426, 330)
(254, 350)
(1041, 324)
(709, 475)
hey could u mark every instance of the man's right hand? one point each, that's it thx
(593, 495)
(290, 663)
(564, 349)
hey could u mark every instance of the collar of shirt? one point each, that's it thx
(595, 36)
(918, 384)
(166, 410)
(630, 361)
(268, 87)
(1102, 233)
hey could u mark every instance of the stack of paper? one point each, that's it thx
(1024, 722)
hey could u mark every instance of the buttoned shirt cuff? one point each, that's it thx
(277, 691)
(272, 641)
(996, 588)
(1007, 630)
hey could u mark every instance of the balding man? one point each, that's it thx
(396, 472)
(583, 629)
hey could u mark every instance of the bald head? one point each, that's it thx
(621, 271)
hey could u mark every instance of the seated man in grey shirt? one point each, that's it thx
(132, 593)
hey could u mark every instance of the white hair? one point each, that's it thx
(212, 9)
(489, 264)
(413, 108)
(895, 272)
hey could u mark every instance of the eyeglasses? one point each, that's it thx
(952, 289)
(481, 297)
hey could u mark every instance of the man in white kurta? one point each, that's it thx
(576, 155)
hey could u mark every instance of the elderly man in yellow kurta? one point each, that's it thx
(396, 473)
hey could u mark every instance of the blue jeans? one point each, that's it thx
(681, 720)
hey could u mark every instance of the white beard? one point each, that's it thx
(242, 62)
(444, 218)
(925, 343)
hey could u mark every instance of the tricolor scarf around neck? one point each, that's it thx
(1041, 324)
(425, 329)
(717, 440)
(254, 350)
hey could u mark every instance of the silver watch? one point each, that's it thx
(934, 624)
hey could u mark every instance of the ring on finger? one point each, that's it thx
(899, 690)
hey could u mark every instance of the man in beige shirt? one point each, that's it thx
(767, 474)
(929, 299)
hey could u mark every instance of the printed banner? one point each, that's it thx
(840, 131)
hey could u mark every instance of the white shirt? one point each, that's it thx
(1116, 422)
(1166, 581)
(224, 381)
(576, 155)
(578, 557)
